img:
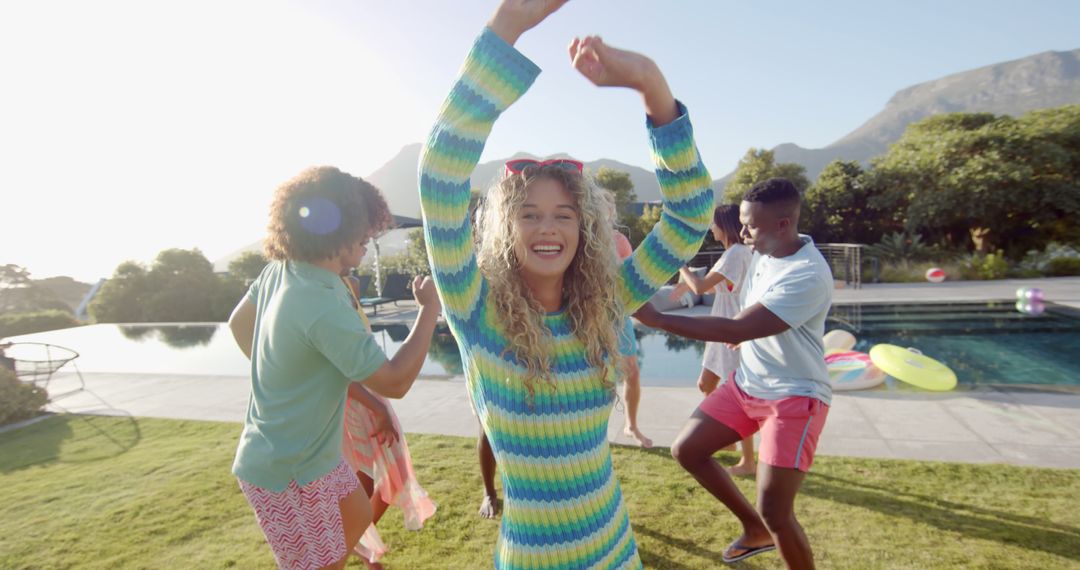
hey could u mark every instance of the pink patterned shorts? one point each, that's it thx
(303, 524)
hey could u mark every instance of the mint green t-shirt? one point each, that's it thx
(309, 344)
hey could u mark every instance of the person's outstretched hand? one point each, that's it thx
(514, 17)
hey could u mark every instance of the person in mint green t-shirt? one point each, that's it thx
(308, 350)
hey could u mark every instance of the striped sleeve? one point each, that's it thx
(687, 210)
(493, 77)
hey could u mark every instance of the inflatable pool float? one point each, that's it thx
(911, 366)
(838, 339)
(851, 370)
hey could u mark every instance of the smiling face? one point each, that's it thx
(765, 227)
(547, 230)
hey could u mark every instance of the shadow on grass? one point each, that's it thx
(54, 440)
(975, 522)
(653, 560)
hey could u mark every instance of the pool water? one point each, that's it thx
(985, 343)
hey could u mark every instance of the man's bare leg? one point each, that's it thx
(777, 487)
(702, 436)
(355, 518)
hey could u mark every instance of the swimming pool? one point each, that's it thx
(985, 343)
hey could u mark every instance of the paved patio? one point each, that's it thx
(1021, 426)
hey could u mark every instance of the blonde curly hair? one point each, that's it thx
(592, 305)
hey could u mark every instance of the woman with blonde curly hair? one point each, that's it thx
(537, 304)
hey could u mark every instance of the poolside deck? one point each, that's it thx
(1017, 425)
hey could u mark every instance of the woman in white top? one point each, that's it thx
(726, 278)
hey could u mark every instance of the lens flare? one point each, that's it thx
(319, 216)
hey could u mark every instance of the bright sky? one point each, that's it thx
(128, 127)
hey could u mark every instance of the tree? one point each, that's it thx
(650, 215)
(19, 294)
(247, 266)
(991, 181)
(12, 275)
(759, 165)
(121, 298)
(412, 261)
(183, 287)
(836, 207)
(620, 185)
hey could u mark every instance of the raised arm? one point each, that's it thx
(396, 376)
(684, 180)
(689, 281)
(493, 77)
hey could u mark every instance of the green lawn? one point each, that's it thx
(108, 492)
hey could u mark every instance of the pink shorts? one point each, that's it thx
(789, 426)
(303, 524)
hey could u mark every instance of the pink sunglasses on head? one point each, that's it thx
(518, 165)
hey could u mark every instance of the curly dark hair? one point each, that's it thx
(322, 211)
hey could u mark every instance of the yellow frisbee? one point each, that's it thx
(911, 366)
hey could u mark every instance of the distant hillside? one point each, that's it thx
(398, 180)
(66, 289)
(1045, 80)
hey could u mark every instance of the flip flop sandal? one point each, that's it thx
(748, 551)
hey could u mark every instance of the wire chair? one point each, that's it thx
(37, 362)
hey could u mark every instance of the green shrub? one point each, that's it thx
(1063, 266)
(989, 266)
(27, 323)
(1039, 262)
(19, 400)
(897, 247)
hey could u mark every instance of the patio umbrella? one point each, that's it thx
(400, 223)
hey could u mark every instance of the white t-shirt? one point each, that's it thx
(798, 289)
(718, 358)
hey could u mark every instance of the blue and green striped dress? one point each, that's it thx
(563, 506)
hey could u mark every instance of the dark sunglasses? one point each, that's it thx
(518, 165)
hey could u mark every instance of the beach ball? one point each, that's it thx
(1033, 294)
(935, 275)
(1033, 308)
(838, 339)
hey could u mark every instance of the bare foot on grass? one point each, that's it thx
(741, 469)
(490, 507)
(635, 434)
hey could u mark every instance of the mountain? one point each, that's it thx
(1044, 80)
(398, 180)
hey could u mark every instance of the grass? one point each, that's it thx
(118, 492)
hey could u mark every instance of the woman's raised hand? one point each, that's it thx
(515, 17)
(607, 66)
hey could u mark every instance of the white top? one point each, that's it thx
(733, 264)
(798, 289)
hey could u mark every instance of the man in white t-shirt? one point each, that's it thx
(781, 388)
